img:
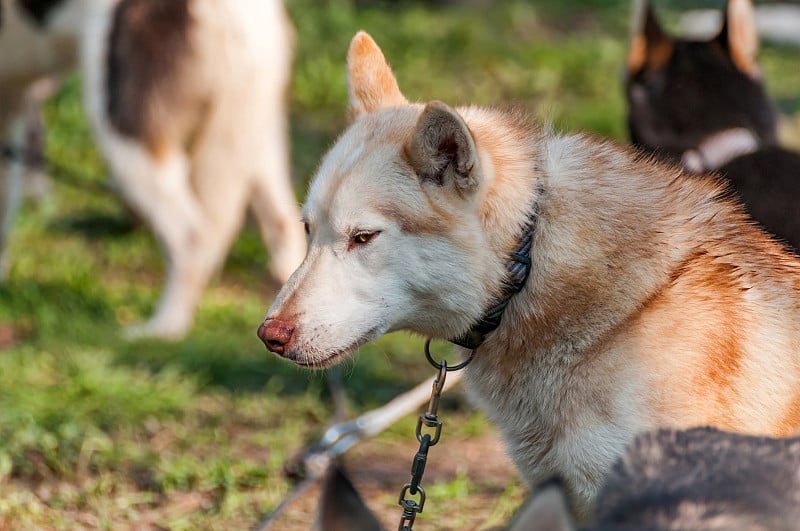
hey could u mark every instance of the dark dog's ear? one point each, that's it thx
(546, 510)
(739, 36)
(341, 508)
(443, 151)
(650, 46)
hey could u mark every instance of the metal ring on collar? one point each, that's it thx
(443, 363)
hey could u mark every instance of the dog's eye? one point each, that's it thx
(306, 227)
(362, 238)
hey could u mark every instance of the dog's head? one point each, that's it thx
(392, 225)
(681, 93)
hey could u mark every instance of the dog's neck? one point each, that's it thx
(594, 235)
(506, 145)
(719, 149)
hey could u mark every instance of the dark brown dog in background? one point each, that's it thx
(703, 103)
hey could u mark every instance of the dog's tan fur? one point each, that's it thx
(652, 301)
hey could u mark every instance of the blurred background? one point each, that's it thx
(97, 432)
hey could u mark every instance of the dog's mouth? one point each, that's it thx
(313, 358)
(324, 362)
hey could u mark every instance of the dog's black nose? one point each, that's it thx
(276, 334)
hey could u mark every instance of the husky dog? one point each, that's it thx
(651, 299)
(186, 100)
(703, 102)
(700, 478)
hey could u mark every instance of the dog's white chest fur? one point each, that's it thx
(552, 423)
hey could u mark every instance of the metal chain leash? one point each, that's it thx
(429, 429)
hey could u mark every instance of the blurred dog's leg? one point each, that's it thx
(273, 201)
(12, 133)
(159, 190)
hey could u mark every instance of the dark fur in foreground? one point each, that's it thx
(695, 479)
(681, 93)
(704, 478)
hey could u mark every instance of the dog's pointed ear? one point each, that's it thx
(546, 510)
(341, 507)
(650, 46)
(371, 85)
(739, 36)
(442, 150)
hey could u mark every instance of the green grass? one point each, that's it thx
(99, 433)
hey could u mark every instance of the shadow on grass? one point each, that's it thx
(219, 363)
(96, 225)
(377, 373)
(79, 315)
(58, 313)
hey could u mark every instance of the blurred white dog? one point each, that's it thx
(187, 102)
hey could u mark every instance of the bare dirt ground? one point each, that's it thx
(378, 469)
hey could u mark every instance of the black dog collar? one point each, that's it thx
(519, 268)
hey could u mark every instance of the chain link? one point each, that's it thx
(429, 430)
